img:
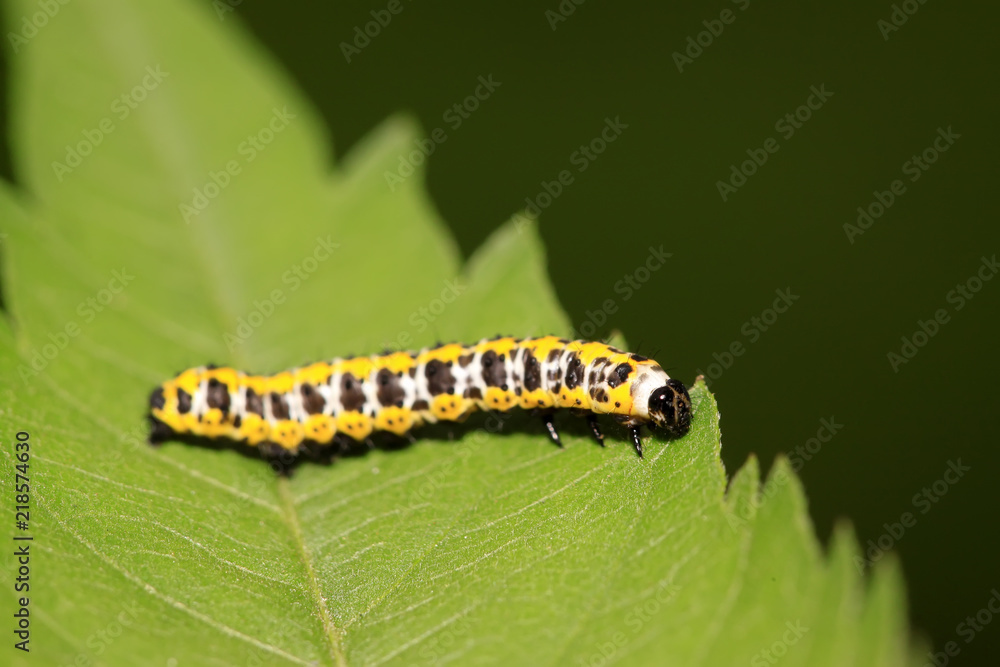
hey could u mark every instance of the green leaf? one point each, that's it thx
(486, 544)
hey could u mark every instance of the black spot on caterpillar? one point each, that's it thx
(397, 392)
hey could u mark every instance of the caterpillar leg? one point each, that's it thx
(636, 439)
(343, 443)
(595, 428)
(549, 421)
(270, 451)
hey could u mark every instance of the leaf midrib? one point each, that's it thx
(222, 295)
(127, 574)
(332, 634)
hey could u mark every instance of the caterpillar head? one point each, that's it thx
(670, 408)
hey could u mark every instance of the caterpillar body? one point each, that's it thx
(397, 392)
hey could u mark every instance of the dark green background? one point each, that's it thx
(656, 185)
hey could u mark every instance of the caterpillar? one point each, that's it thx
(400, 391)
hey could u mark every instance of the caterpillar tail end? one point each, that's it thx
(158, 432)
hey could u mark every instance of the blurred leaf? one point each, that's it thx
(494, 547)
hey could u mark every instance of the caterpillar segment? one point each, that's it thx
(401, 391)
